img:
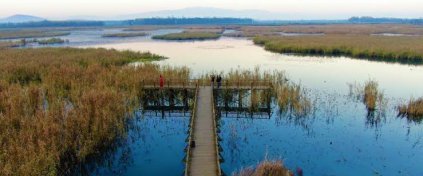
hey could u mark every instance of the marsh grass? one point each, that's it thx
(413, 110)
(125, 35)
(290, 97)
(51, 41)
(333, 29)
(188, 36)
(265, 168)
(4, 45)
(59, 106)
(404, 49)
(30, 33)
(369, 94)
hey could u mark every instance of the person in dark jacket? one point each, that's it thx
(212, 80)
(219, 81)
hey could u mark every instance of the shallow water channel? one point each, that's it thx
(340, 137)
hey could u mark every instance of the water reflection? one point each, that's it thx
(232, 103)
(155, 138)
(352, 141)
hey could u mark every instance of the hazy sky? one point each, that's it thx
(307, 9)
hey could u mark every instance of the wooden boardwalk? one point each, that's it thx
(203, 159)
(241, 87)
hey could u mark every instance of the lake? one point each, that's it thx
(339, 138)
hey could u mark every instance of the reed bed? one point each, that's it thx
(26, 33)
(59, 106)
(265, 168)
(369, 94)
(413, 110)
(186, 35)
(4, 45)
(125, 35)
(290, 97)
(333, 29)
(403, 49)
(51, 41)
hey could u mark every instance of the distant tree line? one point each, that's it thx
(142, 21)
(372, 20)
(53, 24)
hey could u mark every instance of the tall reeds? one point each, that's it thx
(59, 106)
(369, 94)
(289, 97)
(413, 110)
(405, 49)
(265, 168)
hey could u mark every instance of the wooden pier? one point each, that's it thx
(203, 158)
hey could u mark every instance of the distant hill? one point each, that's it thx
(21, 19)
(206, 12)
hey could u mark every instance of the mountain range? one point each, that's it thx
(207, 12)
(21, 19)
(177, 13)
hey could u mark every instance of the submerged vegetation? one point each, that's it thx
(413, 110)
(265, 168)
(59, 106)
(404, 49)
(188, 36)
(127, 34)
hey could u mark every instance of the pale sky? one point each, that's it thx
(307, 9)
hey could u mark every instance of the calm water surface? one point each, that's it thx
(338, 138)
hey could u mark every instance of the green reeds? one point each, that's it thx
(413, 110)
(265, 168)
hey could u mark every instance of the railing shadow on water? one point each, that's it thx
(243, 103)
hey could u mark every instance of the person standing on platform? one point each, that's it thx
(212, 80)
(161, 81)
(219, 81)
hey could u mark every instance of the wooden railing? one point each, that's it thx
(191, 133)
(192, 83)
(219, 170)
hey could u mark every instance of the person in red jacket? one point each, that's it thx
(161, 81)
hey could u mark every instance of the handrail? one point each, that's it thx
(191, 133)
(219, 170)
(184, 83)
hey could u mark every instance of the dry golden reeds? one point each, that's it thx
(60, 105)
(403, 49)
(413, 110)
(265, 168)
